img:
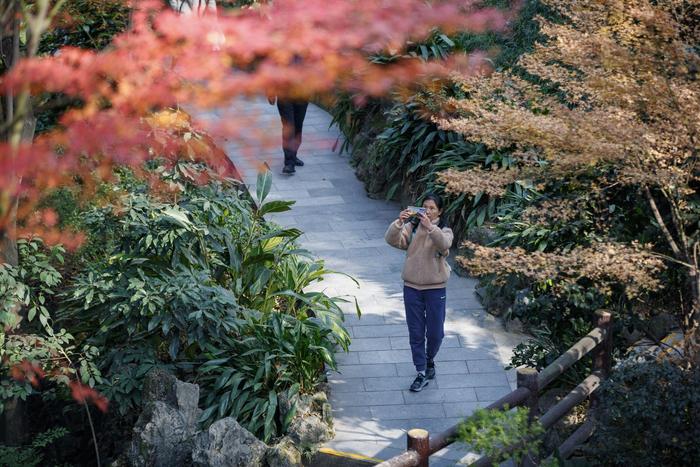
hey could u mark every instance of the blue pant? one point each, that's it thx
(425, 316)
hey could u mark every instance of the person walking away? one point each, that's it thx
(292, 113)
(198, 7)
(427, 242)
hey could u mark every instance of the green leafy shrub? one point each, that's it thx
(30, 456)
(25, 294)
(30, 283)
(202, 285)
(556, 322)
(403, 146)
(408, 152)
(274, 357)
(545, 346)
(502, 434)
(90, 24)
(648, 415)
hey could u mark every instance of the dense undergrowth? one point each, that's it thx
(178, 270)
(195, 282)
(399, 152)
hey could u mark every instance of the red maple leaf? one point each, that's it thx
(27, 371)
(83, 393)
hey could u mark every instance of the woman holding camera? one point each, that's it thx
(427, 242)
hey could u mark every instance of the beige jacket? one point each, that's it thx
(426, 253)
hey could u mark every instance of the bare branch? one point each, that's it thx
(662, 225)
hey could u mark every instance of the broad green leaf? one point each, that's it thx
(207, 413)
(176, 217)
(447, 40)
(216, 362)
(275, 206)
(482, 215)
(174, 347)
(270, 415)
(264, 184)
(289, 417)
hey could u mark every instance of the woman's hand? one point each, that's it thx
(425, 221)
(404, 215)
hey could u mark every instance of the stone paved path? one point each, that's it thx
(372, 406)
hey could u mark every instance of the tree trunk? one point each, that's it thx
(692, 339)
(14, 418)
(9, 52)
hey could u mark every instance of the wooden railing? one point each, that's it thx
(598, 342)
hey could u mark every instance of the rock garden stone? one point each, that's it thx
(309, 431)
(228, 444)
(283, 454)
(164, 431)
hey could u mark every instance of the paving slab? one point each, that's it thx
(453, 368)
(371, 404)
(361, 398)
(485, 366)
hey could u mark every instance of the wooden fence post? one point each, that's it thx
(419, 440)
(602, 355)
(527, 378)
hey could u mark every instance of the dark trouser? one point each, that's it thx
(292, 114)
(425, 316)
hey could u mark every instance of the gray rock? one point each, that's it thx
(283, 454)
(327, 413)
(309, 431)
(308, 404)
(164, 432)
(187, 397)
(661, 325)
(494, 302)
(159, 386)
(161, 437)
(514, 325)
(228, 444)
(313, 422)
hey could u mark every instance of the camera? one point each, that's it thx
(415, 211)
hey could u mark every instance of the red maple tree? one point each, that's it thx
(164, 60)
(291, 48)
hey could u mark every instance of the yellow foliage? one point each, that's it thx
(170, 119)
(632, 97)
(623, 91)
(606, 264)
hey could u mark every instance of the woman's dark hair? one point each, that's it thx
(435, 197)
(438, 202)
